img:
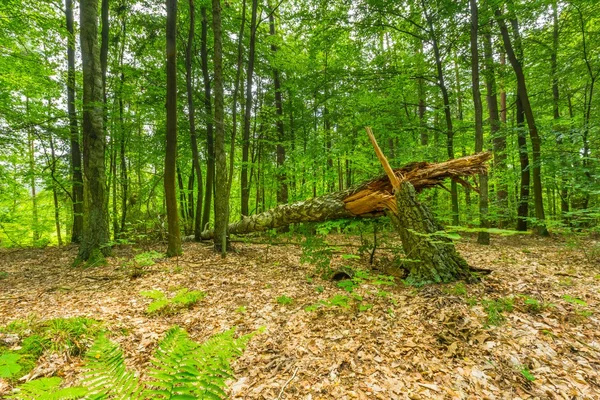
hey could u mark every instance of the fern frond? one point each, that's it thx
(48, 389)
(214, 358)
(106, 373)
(154, 294)
(175, 368)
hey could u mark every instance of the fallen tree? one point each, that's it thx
(430, 256)
(368, 199)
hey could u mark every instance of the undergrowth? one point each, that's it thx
(180, 369)
(162, 304)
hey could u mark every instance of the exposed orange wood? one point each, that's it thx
(384, 162)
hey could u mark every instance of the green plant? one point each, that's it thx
(284, 300)
(574, 300)
(496, 308)
(527, 374)
(241, 309)
(9, 364)
(3, 275)
(162, 304)
(148, 258)
(317, 252)
(48, 389)
(458, 289)
(320, 289)
(533, 305)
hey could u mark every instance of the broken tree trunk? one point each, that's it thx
(368, 199)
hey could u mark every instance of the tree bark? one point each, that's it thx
(483, 237)
(192, 121)
(498, 136)
(368, 199)
(221, 192)
(76, 173)
(447, 114)
(533, 132)
(523, 206)
(95, 231)
(245, 186)
(174, 237)
(282, 186)
(210, 147)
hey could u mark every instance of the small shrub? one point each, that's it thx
(162, 304)
(496, 308)
(315, 251)
(148, 258)
(284, 300)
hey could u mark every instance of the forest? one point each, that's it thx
(299, 199)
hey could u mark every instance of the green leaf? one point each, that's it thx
(9, 365)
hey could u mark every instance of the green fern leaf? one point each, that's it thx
(9, 364)
(175, 369)
(153, 294)
(48, 389)
(106, 373)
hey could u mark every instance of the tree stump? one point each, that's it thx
(431, 256)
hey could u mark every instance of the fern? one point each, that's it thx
(175, 367)
(48, 389)
(9, 364)
(163, 304)
(106, 372)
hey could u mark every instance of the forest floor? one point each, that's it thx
(529, 330)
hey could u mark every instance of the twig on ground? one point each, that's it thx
(287, 383)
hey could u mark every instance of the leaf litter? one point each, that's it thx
(436, 342)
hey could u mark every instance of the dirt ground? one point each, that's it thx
(429, 343)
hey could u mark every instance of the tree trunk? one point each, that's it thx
(368, 199)
(192, 121)
(95, 233)
(447, 114)
(35, 224)
(498, 136)
(210, 148)
(55, 192)
(483, 237)
(533, 132)
(523, 207)
(245, 186)
(282, 186)
(76, 173)
(221, 198)
(174, 237)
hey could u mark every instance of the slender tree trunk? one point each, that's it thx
(210, 148)
(54, 189)
(447, 114)
(35, 224)
(236, 90)
(498, 136)
(282, 186)
(523, 207)
(483, 237)
(95, 233)
(192, 121)
(422, 98)
(76, 173)
(122, 151)
(533, 132)
(174, 237)
(221, 199)
(245, 187)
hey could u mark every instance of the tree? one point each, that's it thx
(94, 245)
(483, 236)
(174, 237)
(75, 153)
(191, 116)
(221, 192)
(528, 112)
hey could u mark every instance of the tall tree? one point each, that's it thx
(534, 136)
(174, 236)
(95, 230)
(282, 186)
(446, 100)
(483, 236)
(244, 181)
(75, 151)
(191, 115)
(210, 148)
(221, 198)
